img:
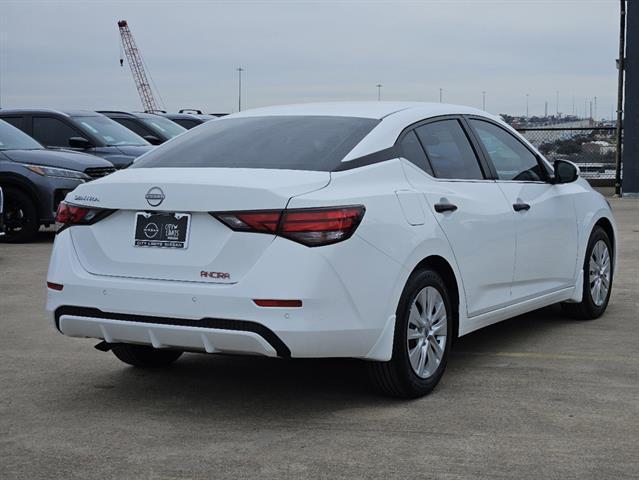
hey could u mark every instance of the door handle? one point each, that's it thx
(445, 207)
(521, 206)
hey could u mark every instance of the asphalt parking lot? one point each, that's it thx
(538, 396)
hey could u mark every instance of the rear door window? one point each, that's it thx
(188, 124)
(449, 150)
(134, 126)
(52, 132)
(277, 142)
(17, 122)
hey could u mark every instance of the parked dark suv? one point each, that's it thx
(34, 180)
(83, 131)
(155, 129)
(189, 119)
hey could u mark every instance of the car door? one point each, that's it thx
(546, 253)
(441, 163)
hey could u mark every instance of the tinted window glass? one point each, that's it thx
(109, 132)
(512, 160)
(17, 122)
(188, 124)
(449, 150)
(133, 126)
(283, 142)
(412, 151)
(13, 139)
(168, 128)
(52, 132)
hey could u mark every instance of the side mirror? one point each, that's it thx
(565, 171)
(79, 142)
(152, 139)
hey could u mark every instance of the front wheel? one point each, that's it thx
(597, 283)
(20, 217)
(145, 356)
(423, 334)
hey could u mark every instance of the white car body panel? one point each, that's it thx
(481, 230)
(546, 238)
(502, 264)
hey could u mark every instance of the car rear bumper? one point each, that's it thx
(341, 316)
(210, 335)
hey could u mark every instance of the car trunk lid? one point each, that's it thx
(213, 252)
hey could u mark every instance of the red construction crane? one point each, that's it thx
(137, 68)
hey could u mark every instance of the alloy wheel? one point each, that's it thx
(599, 271)
(426, 332)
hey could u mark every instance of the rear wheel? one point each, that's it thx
(597, 286)
(423, 334)
(20, 217)
(145, 356)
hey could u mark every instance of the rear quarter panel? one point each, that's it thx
(375, 277)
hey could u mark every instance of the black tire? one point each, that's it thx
(20, 217)
(396, 377)
(145, 356)
(587, 309)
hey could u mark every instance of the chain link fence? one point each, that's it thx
(594, 149)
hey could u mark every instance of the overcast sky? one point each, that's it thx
(65, 54)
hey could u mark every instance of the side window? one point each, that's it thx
(52, 132)
(512, 160)
(413, 152)
(449, 150)
(133, 126)
(188, 124)
(17, 122)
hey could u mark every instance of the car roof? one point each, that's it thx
(394, 117)
(66, 113)
(375, 110)
(188, 116)
(121, 113)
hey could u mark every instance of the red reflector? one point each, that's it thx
(279, 303)
(55, 286)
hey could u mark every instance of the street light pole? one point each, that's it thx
(379, 91)
(527, 95)
(239, 88)
(483, 100)
(441, 94)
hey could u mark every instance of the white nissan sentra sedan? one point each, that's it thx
(379, 231)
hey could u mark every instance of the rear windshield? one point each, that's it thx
(282, 142)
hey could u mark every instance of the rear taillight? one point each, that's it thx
(69, 215)
(264, 221)
(312, 227)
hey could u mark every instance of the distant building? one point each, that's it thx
(598, 147)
